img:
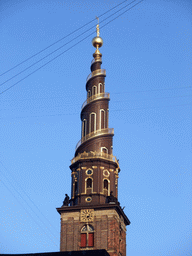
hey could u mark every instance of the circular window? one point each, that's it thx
(89, 172)
(88, 199)
(106, 173)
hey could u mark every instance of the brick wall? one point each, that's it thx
(110, 233)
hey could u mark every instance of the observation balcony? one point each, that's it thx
(93, 155)
(96, 73)
(105, 95)
(95, 134)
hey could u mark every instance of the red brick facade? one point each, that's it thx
(109, 232)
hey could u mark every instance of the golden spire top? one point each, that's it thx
(97, 41)
(97, 27)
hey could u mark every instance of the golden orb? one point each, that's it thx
(97, 42)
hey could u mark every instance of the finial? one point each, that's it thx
(97, 41)
(97, 27)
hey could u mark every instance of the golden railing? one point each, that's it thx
(96, 73)
(94, 154)
(96, 97)
(95, 134)
(95, 60)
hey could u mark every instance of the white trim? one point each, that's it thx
(84, 128)
(90, 122)
(88, 170)
(93, 90)
(86, 184)
(104, 148)
(99, 91)
(88, 94)
(108, 186)
(102, 110)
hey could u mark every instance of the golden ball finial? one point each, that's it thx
(97, 42)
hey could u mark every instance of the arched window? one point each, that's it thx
(84, 128)
(87, 236)
(89, 183)
(107, 117)
(94, 90)
(92, 122)
(104, 150)
(75, 187)
(88, 94)
(101, 88)
(106, 187)
(106, 184)
(102, 119)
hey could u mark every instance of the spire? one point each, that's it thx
(97, 41)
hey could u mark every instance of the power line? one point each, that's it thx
(178, 105)
(66, 50)
(25, 209)
(24, 201)
(122, 92)
(77, 113)
(62, 46)
(114, 101)
(61, 39)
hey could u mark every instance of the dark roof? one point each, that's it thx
(70, 253)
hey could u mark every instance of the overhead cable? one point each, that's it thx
(63, 45)
(67, 49)
(60, 39)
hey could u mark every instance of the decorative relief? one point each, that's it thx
(106, 173)
(89, 171)
(87, 215)
(88, 199)
(101, 167)
(94, 167)
(116, 171)
(116, 179)
(83, 168)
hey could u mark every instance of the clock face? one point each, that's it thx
(87, 215)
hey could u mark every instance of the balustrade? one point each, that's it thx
(95, 97)
(94, 134)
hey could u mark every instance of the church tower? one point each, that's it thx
(93, 218)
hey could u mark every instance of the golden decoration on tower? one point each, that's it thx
(97, 41)
(87, 215)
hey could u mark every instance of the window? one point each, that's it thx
(88, 94)
(102, 118)
(87, 236)
(84, 128)
(106, 184)
(89, 183)
(89, 172)
(75, 187)
(104, 150)
(92, 122)
(101, 88)
(94, 90)
(106, 187)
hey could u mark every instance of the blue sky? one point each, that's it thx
(147, 56)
